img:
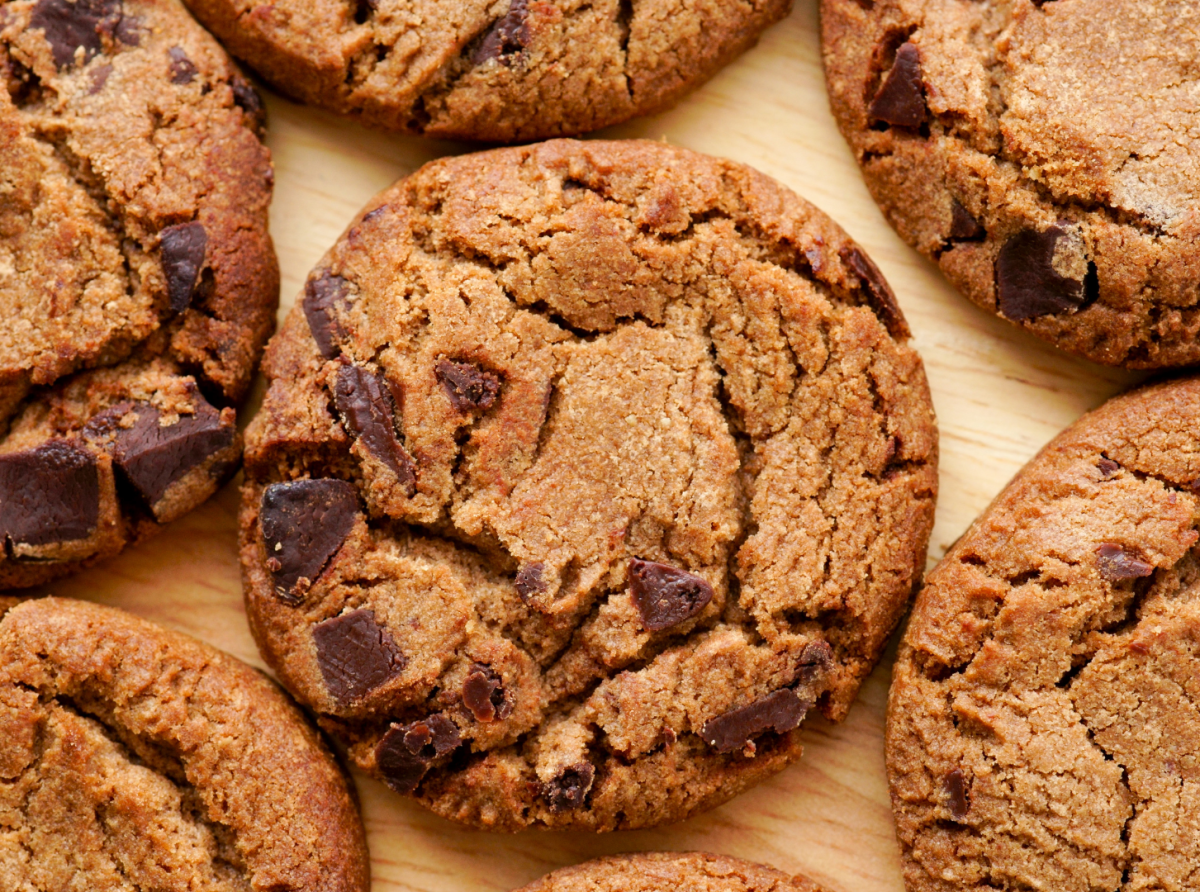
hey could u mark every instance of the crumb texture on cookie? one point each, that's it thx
(586, 470)
(1042, 724)
(1045, 154)
(135, 758)
(667, 872)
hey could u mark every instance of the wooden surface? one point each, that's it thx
(999, 396)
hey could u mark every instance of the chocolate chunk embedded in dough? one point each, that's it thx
(49, 494)
(183, 248)
(304, 523)
(1027, 284)
(483, 693)
(70, 26)
(1117, 563)
(570, 787)
(406, 751)
(365, 404)
(356, 654)
(780, 712)
(665, 596)
(468, 386)
(323, 295)
(901, 97)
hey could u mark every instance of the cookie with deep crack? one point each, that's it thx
(586, 470)
(491, 70)
(1042, 719)
(138, 283)
(1044, 153)
(668, 872)
(138, 758)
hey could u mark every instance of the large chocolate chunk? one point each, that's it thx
(901, 97)
(1116, 563)
(958, 794)
(963, 226)
(468, 386)
(183, 249)
(664, 595)
(323, 296)
(304, 523)
(529, 581)
(780, 712)
(507, 37)
(356, 655)
(879, 294)
(406, 752)
(70, 26)
(365, 404)
(182, 69)
(1027, 284)
(49, 494)
(483, 694)
(569, 789)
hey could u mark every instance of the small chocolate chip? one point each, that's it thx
(182, 69)
(1107, 466)
(183, 249)
(963, 226)
(406, 752)
(468, 386)
(483, 694)
(324, 295)
(816, 662)
(1116, 563)
(70, 26)
(365, 403)
(958, 794)
(356, 655)
(529, 581)
(879, 294)
(780, 712)
(507, 37)
(1027, 284)
(901, 97)
(304, 523)
(568, 790)
(664, 595)
(49, 494)
(247, 99)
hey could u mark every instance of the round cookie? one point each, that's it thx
(492, 70)
(586, 470)
(1044, 153)
(138, 758)
(1042, 724)
(669, 872)
(138, 283)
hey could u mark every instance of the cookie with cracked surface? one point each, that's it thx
(1044, 153)
(585, 470)
(138, 758)
(1042, 722)
(138, 283)
(670, 871)
(490, 70)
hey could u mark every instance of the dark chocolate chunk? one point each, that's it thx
(1107, 466)
(816, 661)
(247, 99)
(529, 581)
(406, 752)
(356, 655)
(1027, 284)
(664, 595)
(958, 794)
(323, 295)
(901, 97)
(304, 523)
(182, 69)
(69, 26)
(365, 404)
(49, 494)
(780, 712)
(1116, 563)
(183, 249)
(879, 294)
(483, 694)
(507, 37)
(468, 386)
(570, 787)
(963, 226)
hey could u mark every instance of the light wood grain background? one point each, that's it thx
(999, 394)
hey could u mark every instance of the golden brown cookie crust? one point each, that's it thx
(1042, 719)
(136, 756)
(585, 470)
(669, 871)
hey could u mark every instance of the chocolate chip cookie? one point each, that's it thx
(669, 872)
(493, 70)
(137, 280)
(586, 471)
(137, 758)
(1044, 153)
(1042, 724)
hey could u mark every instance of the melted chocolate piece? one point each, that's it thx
(1116, 563)
(958, 794)
(507, 37)
(356, 655)
(569, 789)
(901, 97)
(483, 694)
(468, 386)
(182, 69)
(406, 752)
(664, 595)
(780, 712)
(879, 294)
(1107, 466)
(71, 26)
(323, 295)
(529, 581)
(49, 494)
(365, 404)
(304, 523)
(1027, 285)
(183, 249)
(963, 226)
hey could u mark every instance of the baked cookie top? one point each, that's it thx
(1045, 153)
(492, 70)
(137, 280)
(138, 758)
(1042, 724)
(669, 872)
(585, 471)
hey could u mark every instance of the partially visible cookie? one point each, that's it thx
(137, 758)
(1043, 727)
(1044, 153)
(491, 70)
(670, 872)
(138, 283)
